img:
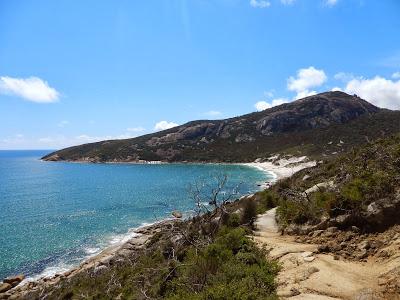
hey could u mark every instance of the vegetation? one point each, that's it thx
(229, 267)
(358, 178)
(249, 212)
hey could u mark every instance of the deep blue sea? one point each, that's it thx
(53, 215)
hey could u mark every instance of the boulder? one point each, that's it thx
(316, 233)
(309, 258)
(323, 248)
(287, 293)
(14, 280)
(364, 245)
(320, 186)
(332, 229)
(242, 138)
(341, 220)
(363, 254)
(306, 254)
(4, 287)
(100, 269)
(177, 214)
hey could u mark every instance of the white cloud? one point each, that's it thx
(136, 129)
(396, 75)
(260, 3)
(213, 113)
(305, 93)
(336, 89)
(378, 90)
(287, 2)
(33, 89)
(331, 2)
(305, 79)
(63, 123)
(263, 105)
(163, 125)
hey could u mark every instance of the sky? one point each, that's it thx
(74, 72)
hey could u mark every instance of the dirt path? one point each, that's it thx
(306, 274)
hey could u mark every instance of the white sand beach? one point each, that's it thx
(283, 167)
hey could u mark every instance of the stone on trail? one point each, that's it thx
(306, 254)
(309, 258)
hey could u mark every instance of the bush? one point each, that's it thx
(291, 212)
(233, 220)
(249, 212)
(352, 191)
(266, 200)
(230, 268)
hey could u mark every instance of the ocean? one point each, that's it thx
(53, 215)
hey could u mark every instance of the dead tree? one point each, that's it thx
(211, 199)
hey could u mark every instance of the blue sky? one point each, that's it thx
(78, 71)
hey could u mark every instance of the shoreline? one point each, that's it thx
(137, 237)
(280, 168)
(131, 234)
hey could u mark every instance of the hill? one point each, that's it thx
(326, 123)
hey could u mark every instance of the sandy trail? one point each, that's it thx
(308, 275)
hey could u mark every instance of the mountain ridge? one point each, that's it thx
(245, 137)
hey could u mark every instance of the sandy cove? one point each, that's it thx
(283, 167)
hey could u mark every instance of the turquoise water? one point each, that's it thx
(54, 215)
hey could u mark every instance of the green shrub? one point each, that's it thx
(352, 191)
(230, 268)
(233, 220)
(249, 212)
(266, 200)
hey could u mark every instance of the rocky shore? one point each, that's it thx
(17, 288)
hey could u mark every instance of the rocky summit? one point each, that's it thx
(303, 126)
